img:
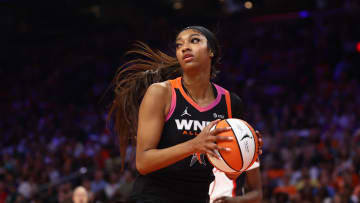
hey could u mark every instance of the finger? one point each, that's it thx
(211, 124)
(261, 143)
(220, 130)
(258, 134)
(212, 154)
(227, 149)
(214, 146)
(222, 138)
(219, 199)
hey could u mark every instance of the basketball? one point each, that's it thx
(243, 148)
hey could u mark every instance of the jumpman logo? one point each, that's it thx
(185, 112)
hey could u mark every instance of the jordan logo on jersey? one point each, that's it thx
(185, 112)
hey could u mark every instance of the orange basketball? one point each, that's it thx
(243, 148)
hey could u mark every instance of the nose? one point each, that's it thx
(185, 48)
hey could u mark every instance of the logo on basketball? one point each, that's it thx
(247, 146)
(245, 136)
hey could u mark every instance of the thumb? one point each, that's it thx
(220, 200)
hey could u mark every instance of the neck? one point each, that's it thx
(198, 86)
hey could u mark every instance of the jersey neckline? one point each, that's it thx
(193, 103)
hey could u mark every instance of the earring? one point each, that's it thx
(211, 54)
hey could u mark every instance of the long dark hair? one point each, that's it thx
(134, 77)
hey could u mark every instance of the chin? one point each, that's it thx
(189, 66)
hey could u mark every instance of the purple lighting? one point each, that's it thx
(304, 14)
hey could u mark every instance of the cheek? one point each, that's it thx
(178, 56)
(204, 53)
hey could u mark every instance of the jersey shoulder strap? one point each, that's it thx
(227, 100)
(176, 83)
(228, 103)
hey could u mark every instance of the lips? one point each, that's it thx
(188, 57)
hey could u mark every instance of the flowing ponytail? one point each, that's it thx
(134, 77)
(130, 83)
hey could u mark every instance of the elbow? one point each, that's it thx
(141, 167)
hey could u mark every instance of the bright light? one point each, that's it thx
(304, 14)
(248, 4)
(358, 47)
(178, 5)
(83, 170)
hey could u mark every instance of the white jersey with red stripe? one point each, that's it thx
(223, 186)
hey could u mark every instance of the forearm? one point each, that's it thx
(155, 159)
(254, 187)
(254, 196)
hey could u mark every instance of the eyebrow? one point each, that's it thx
(195, 34)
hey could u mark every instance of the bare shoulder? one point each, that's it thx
(158, 95)
(160, 89)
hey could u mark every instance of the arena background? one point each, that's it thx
(294, 63)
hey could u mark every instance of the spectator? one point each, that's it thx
(112, 186)
(80, 195)
(99, 183)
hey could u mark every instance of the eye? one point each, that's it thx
(195, 40)
(177, 45)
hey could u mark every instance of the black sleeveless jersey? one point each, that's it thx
(187, 180)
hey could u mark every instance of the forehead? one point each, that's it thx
(189, 33)
(80, 191)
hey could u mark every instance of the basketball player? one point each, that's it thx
(178, 107)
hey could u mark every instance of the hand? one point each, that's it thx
(261, 143)
(205, 142)
(224, 199)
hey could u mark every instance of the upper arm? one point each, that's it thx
(253, 179)
(152, 117)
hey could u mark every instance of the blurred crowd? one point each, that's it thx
(299, 81)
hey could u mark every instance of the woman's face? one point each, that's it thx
(192, 51)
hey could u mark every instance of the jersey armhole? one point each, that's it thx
(236, 106)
